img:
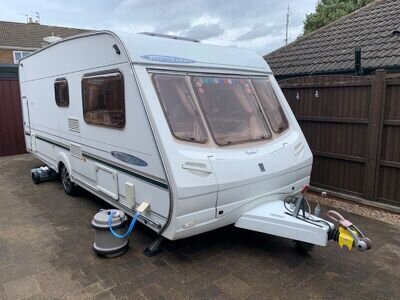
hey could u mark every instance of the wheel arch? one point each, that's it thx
(62, 158)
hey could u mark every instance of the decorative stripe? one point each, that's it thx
(53, 142)
(121, 169)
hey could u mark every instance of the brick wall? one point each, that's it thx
(6, 56)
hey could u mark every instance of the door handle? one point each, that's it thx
(199, 167)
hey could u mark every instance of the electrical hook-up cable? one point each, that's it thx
(128, 232)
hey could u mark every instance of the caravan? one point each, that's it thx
(202, 133)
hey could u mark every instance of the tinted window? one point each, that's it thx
(179, 108)
(61, 92)
(231, 109)
(104, 99)
(270, 104)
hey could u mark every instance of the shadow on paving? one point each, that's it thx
(46, 238)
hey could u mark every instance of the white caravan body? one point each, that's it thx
(132, 155)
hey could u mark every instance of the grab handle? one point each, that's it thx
(196, 167)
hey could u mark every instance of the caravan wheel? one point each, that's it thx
(70, 188)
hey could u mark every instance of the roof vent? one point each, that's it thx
(396, 33)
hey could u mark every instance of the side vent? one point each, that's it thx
(75, 150)
(73, 124)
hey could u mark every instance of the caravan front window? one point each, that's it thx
(231, 109)
(179, 108)
(270, 105)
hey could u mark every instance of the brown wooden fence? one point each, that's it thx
(353, 127)
(11, 130)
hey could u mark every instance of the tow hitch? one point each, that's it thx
(293, 219)
(348, 234)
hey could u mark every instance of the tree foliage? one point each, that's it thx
(328, 11)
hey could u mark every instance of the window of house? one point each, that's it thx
(270, 104)
(61, 92)
(179, 108)
(19, 55)
(103, 99)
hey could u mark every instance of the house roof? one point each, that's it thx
(30, 35)
(375, 28)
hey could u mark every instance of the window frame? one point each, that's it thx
(16, 61)
(255, 100)
(58, 81)
(98, 74)
(193, 102)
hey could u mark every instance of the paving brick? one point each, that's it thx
(234, 287)
(22, 288)
(92, 290)
(105, 296)
(210, 292)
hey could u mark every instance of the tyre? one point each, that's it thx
(35, 177)
(70, 188)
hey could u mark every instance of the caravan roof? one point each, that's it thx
(150, 49)
(153, 49)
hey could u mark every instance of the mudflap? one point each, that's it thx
(273, 218)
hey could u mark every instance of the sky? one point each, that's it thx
(258, 25)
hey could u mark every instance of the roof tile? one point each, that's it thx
(30, 35)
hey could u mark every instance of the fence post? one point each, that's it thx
(377, 104)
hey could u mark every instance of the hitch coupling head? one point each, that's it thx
(348, 234)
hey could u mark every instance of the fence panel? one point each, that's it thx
(11, 130)
(333, 112)
(388, 170)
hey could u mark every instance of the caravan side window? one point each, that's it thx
(103, 99)
(61, 92)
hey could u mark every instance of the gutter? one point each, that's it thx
(17, 48)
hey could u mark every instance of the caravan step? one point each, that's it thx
(273, 218)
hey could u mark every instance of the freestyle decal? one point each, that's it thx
(129, 159)
(168, 59)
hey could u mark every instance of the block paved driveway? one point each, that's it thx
(45, 252)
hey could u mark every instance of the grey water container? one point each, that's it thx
(105, 243)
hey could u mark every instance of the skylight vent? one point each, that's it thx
(167, 36)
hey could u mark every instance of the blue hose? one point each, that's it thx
(128, 232)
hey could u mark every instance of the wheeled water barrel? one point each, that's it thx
(105, 243)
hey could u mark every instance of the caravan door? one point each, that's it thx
(27, 123)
